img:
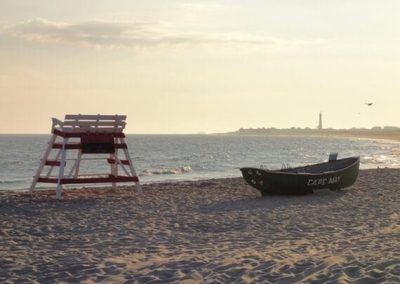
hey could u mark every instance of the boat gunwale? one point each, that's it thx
(280, 172)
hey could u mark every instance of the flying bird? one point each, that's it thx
(369, 104)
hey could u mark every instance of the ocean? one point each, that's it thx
(162, 158)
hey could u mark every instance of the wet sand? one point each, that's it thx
(218, 231)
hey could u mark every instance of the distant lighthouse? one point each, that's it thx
(320, 121)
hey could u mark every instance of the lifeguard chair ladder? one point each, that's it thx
(86, 134)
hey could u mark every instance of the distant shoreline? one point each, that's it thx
(379, 134)
(389, 135)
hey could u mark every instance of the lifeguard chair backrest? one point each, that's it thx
(79, 123)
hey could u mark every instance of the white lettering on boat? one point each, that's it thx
(323, 181)
(333, 180)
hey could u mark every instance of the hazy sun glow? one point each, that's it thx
(200, 66)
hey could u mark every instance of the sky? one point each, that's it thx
(200, 66)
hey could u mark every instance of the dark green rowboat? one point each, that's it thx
(334, 174)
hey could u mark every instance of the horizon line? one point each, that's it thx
(237, 130)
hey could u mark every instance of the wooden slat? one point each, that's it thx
(113, 161)
(78, 134)
(75, 146)
(92, 130)
(71, 146)
(94, 117)
(108, 179)
(53, 163)
(94, 123)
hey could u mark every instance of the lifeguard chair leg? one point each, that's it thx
(61, 171)
(114, 168)
(133, 172)
(42, 163)
(78, 163)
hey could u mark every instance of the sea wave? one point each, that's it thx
(11, 181)
(165, 171)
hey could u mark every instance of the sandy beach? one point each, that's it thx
(213, 231)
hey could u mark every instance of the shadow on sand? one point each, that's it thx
(323, 196)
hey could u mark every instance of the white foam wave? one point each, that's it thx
(11, 181)
(380, 161)
(164, 171)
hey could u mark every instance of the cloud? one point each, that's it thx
(202, 7)
(124, 34)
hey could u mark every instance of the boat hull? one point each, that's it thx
(306, 179)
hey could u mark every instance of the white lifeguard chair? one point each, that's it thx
(85, 135)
